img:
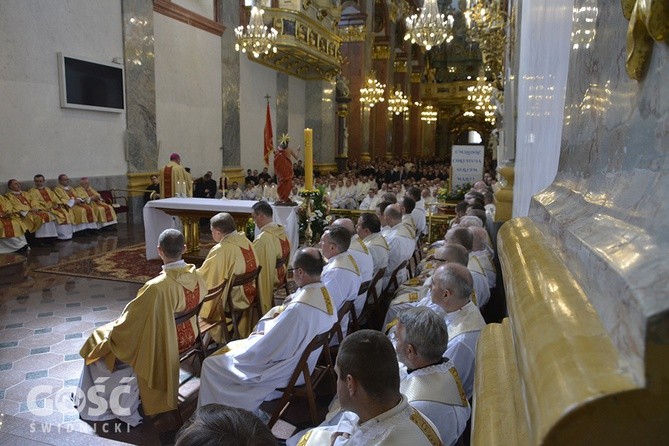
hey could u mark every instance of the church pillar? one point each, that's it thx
(415, 124)
(379, 113)
(355, 51)
(141, 142)
(230, 82)
(320, 116)
(400, 122)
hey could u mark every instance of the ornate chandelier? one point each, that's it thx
(372, 92)
(256, 38)
(486, 26)
(429, 114)
(481, 95)
(398, 103)
(429, 28)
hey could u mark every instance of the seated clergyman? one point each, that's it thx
(246, 372)
(138, 353)
(376, 413)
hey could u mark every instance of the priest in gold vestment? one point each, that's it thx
(84, 217)
(139, 352)
(11, 229)
(174, 179)
(104, 212)
(271, 245)
(233, 254)
(47, 200)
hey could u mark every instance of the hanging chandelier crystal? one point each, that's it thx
(481, 95)
(429, 28)
(372, 92)
(398, 103)
(256, 38)
(428, 114)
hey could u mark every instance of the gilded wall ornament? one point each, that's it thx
(649, 21)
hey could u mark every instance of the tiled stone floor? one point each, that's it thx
(44, 320)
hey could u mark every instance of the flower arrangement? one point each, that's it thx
(250, 229)
(457, 194)
(319, 213)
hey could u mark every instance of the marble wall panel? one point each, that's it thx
(320, 116)
(606, 212)
(141, 142)
(282, 104)
(32, 123)
(230, 90)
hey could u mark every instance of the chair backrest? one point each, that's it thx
(183, 317)
(215, 294)
(241, 280)
(372, 286)
(392, 284)
(364, 286)
(302, 367)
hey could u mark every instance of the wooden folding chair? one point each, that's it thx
(353, 321)
(284, 283)
(276, 408)
(392, 285)
(206, 324)
(371, 312)
(238, 280)
(197, 346)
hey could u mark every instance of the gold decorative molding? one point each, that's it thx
(305, 48)
(400, 66)
(326, 168)
(234, 174)
(649, 21)
(504, 193)
(416, 77)
(381, 52)
(169, 9)
(139, 181)
(354, 33)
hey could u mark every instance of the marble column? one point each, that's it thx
(379, 113)
(320, 116)
(414, 137)
(230, 150)
(282, 105)
(140, 89)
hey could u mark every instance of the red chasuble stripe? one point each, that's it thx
(185, 332)
(167, 180)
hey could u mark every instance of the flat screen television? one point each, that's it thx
(90, 85)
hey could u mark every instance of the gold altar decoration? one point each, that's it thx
(256, 38)
(398, 103)
(429, 28)
(373, 91)
(486, 25)
(649, 20)
(352, 33)
(397, 10)
(307, 43)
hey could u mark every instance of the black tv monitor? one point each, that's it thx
(90, 85)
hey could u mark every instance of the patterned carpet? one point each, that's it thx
(124, 265)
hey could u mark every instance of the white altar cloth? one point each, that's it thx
(156, 220)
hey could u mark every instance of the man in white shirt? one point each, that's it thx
(376, 413)
(464, 237)
(341, 275)
(402, 244)
(368, 229)
(370, 201)
(235, 193)
(250, 192)
(451, 290)
(418, 212)
(430, 382)
(362, 257)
